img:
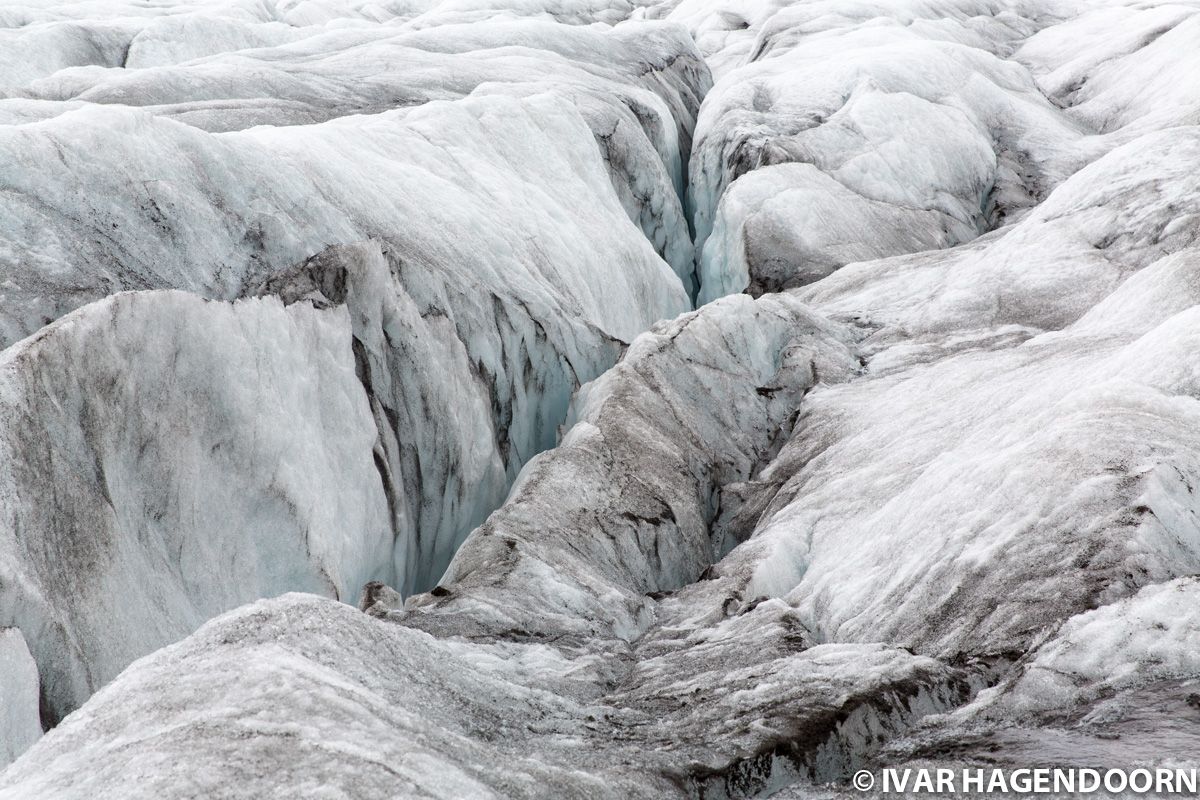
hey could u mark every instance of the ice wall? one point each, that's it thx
(503, 202)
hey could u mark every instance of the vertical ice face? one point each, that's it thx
(166, 458)
(462, 395)
(20, 723)
(642, 470)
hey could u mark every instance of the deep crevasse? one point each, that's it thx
(493, 267)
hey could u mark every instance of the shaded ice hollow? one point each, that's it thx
(412, 307)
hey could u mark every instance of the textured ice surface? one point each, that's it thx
(20, 725)
(107, 198)
(343, 705)
(642, 468)
(167, 458)
(926, 496)
(1117, 685)
(553, 662)
(107, 192)
(924, 123)
(503, 224)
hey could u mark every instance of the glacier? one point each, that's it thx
(463, 350)
(594, 398)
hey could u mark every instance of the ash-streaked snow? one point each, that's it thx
(415, 287)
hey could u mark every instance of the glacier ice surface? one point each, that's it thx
(21, 724)
(500, 238)
(413, 287)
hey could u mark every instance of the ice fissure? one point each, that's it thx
(913, 485)
(466, 346)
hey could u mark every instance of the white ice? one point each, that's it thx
(923, 491)
(504, 196)
(20, 723)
